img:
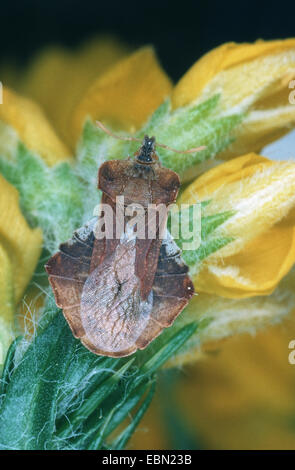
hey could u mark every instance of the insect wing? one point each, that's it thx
(172, 289)
(113, 312)
(68, 270)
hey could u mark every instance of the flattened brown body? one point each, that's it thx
(117, 295)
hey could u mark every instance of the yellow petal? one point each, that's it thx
(127, 94)
(262, 195)
(20, 249)
(32, 127)
(222, 175)
(252, 78)
(58, 78)
(21, 244)
(255, 270)
(232, 59)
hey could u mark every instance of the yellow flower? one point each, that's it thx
(126, 95)
(245, 285)
(251, 78)
(20, 248)
(260, 192)
(98, 81)
(262, 195)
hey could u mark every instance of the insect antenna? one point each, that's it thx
(107, 131)
(192, 150)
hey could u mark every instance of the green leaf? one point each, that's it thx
(93, 401)
(27, 414)
(44, 374)
(84, 374)
(194, 258)
(192, 126)
(117, 413)
(209, 242)
(182, 129)
(8, 366)
(122, 440)
(129, 402)
(157, 118)
(51, 198)
(166, 351)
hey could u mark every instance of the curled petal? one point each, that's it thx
(262, 195)
(127, 94)
(32, 127)
(252, 79)
(58, 78)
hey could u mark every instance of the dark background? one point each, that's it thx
(181, 31)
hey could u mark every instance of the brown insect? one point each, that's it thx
(117, 294)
